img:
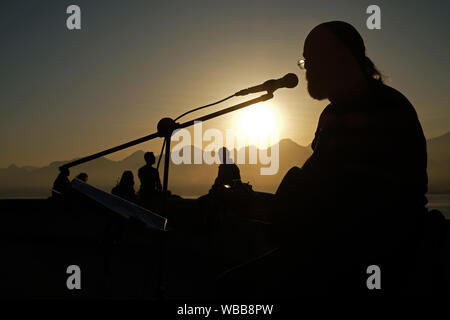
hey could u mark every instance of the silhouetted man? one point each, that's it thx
(360, 198)
(228, 172)
(149, 177)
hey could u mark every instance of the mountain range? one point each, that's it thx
(193, 180)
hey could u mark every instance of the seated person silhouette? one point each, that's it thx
(149, 177)
(83, 177)
(359, 200)
(61, 185)
(228, 173)
(125, 187)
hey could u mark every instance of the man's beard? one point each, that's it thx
(317, 92)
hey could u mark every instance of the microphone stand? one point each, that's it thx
(166, 126)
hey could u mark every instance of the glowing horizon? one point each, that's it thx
(68, 94)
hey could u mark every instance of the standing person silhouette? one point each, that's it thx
(360, 198)
(149, 177)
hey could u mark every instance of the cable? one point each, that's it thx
(186, 113)
(208, 105)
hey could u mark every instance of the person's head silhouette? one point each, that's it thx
(83, 177)
(127, 179)
(149, 158)
(336, 64)
(64, 171)
(224, 156)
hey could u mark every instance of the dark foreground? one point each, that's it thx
(122, 258)
(119, 257)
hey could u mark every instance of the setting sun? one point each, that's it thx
(259, 125)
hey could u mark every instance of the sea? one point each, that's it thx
(440, 202)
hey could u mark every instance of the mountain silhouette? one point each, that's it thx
(193, 180)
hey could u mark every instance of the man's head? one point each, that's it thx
(83, 176)
(335, 61)
(64, 171)
(224, 155)
(149, 158)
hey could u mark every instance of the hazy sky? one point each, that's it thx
(66, 94)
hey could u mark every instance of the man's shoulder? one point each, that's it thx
(327, 109)
(142, 169)
(393, 97)
(147, 169)
(325, 113)
(392, 104)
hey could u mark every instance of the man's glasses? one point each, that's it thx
(301, 64)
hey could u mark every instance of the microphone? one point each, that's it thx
(288, 81)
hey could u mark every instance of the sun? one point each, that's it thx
(259, 124)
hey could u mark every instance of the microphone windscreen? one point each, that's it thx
(290, 80)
